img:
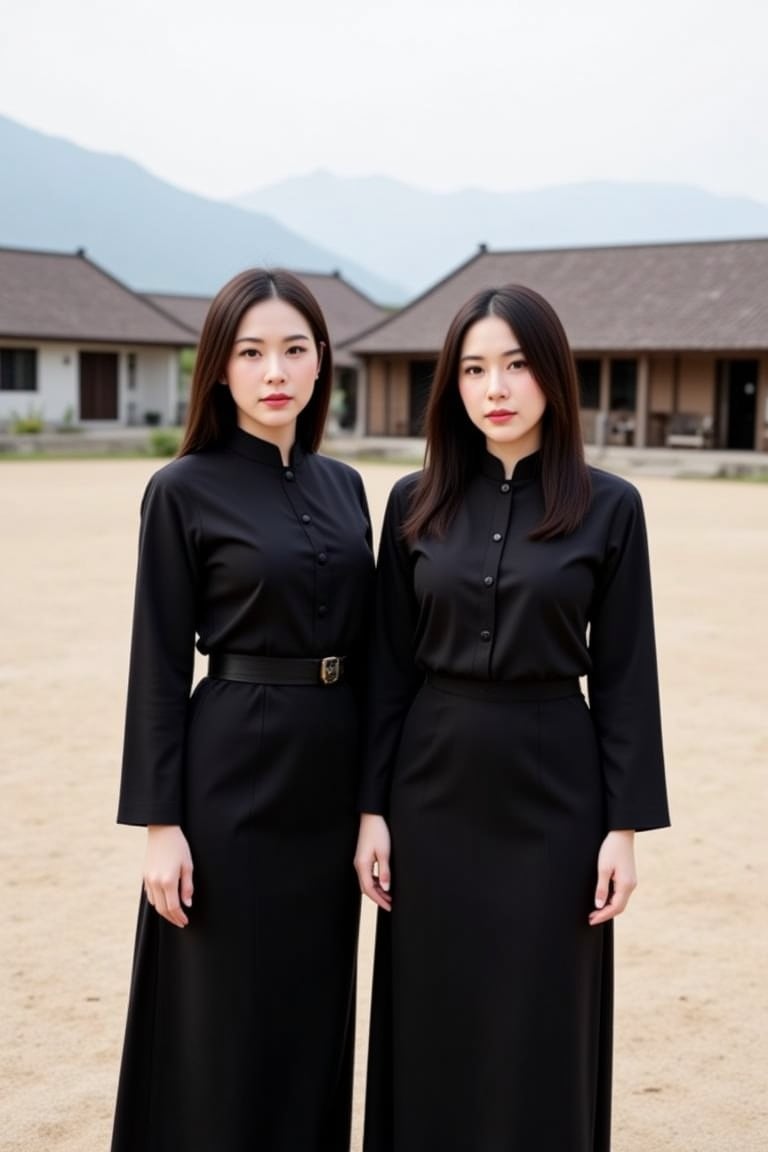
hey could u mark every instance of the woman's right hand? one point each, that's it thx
(168, 872)
(372, 860)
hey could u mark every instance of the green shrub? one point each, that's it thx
(187, 359)
(30, 425)
(164, 442)
(67, 423)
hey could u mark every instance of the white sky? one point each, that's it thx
(225, 96)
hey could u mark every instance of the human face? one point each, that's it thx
(499, 391)
(271, 371)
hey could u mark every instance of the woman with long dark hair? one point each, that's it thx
(508, 569)
(241, 1017)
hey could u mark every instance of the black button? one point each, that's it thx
(288, 474)
(497, 536)
(505, 487)
(322, 609)
(306, 519)
(485, 635)
(488, 581)
(322, 558)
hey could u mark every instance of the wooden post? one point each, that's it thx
(641, 402)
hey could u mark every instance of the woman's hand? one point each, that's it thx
(616, 876)
(372, 860)
(168, 872)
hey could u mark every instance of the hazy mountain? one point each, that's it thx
(153, 236)
(414, 236)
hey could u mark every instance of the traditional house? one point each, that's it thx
(79, 347)
(347, 312)
(671, 340)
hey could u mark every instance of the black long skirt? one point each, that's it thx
(241, 1026)
(492, 1001)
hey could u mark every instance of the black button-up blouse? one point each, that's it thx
(488, 603)
(244, 555)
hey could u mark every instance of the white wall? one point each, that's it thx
(156, 384)
(156, 377)
(57, 384)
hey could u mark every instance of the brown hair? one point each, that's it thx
(212, 414)
(455, 446)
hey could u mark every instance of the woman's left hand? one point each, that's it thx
(616, 876)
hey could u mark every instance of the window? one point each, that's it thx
(18, 370)
(131, 363)
(623, 385)
(589, 382)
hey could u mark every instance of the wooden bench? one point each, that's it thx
(689, 430)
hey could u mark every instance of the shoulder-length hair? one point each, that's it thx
(212, 413)
(455, 446)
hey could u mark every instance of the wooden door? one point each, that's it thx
(98, 386)
(420, 374)
(742, 403)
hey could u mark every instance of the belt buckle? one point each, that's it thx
(330, 669)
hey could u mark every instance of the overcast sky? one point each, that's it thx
(227, 96)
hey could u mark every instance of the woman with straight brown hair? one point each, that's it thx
(508, 569)
(241, 1017)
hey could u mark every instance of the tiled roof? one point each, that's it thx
(190, 310)
(641, 297)
(64, 296)
(346, 310)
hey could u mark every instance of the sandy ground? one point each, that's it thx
(691, 1020)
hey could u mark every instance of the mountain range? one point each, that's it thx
(414, 236)
(148, 233)
(389, 239)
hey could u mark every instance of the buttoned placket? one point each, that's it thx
(320, 607)
(500, 515)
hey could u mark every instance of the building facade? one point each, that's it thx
(671, 340)
(78, 347)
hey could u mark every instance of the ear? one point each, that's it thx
(320, 354)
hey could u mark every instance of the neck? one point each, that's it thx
(282, 438)
(510, 455)
(285, 447)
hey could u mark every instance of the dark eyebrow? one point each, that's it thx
(511, 352)
(259, 340)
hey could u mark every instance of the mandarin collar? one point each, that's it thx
(254, 448)
(526, 470)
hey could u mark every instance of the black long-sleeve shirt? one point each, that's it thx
(488, 603)
(248, 556)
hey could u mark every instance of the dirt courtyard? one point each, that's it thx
(691, 1022)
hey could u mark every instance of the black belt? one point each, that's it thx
(502, 690)
(275, 669)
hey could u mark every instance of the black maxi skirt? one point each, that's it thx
(492, 1000)
(240, 1026)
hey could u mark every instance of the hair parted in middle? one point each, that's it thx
(212, 413)
(455, 446)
